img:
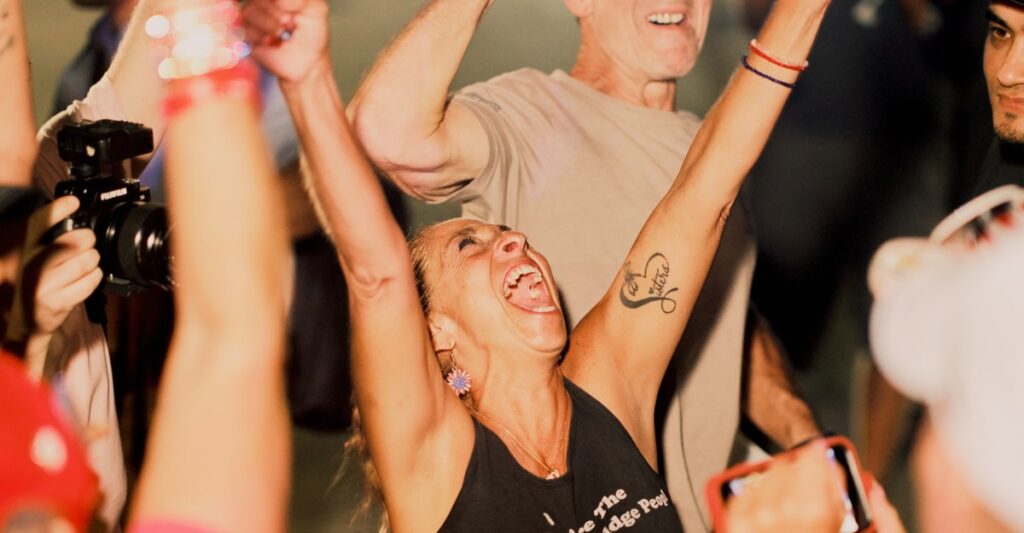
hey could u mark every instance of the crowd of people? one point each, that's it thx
(575, 353)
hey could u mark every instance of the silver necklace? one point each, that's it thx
(552, 472)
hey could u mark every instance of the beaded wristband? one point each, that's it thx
(759, 50)
(239, 81)
(768, 77)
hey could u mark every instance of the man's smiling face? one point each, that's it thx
(652, 39)
(1004, 69)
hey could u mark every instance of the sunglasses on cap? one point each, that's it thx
(974, 222)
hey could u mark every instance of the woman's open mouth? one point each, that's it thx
(524, 288)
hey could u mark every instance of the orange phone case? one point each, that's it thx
(713, 489)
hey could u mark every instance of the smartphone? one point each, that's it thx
(734, 481)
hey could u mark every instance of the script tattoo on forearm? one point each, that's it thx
(649, 287)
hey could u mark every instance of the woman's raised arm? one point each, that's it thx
(419, 433)
(637, 324)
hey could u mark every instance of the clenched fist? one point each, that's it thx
(289, 37)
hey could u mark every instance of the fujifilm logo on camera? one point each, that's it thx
(114, 194)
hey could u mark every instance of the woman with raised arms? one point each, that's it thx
(477, 414)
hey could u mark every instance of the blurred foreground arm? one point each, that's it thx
(219, 451)
(17, 149)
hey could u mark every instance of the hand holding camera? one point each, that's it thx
(54, 278)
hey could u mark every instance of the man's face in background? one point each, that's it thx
(648, 39)
(1004, 69)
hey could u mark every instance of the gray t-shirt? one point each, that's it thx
(579, 172)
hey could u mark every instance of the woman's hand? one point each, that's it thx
(289, 37)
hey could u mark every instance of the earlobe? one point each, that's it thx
(442, 332)
(580, 8)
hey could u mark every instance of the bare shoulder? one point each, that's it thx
(423, 488)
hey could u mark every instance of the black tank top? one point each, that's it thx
(609, 486)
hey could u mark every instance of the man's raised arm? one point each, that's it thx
(401, 113)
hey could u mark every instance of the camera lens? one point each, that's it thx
(134, 241)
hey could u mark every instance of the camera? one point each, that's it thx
(132, 233)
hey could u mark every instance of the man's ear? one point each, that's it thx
(580, 8)
(442, 332)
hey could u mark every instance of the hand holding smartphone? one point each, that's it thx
(815, 487)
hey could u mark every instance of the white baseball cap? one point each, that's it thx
(947, 329)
